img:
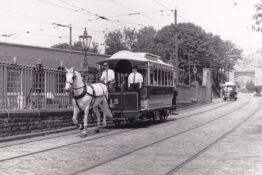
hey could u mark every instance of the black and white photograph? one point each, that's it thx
(131, 87)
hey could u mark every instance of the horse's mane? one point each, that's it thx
(78, 75)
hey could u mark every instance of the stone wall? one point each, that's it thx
(188, 95)
(14, 122)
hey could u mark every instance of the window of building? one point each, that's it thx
(60, 82)
(13, 80)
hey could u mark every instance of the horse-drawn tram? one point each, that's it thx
(153, 100)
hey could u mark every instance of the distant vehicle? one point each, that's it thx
(229, 91)
(258, 91)
(154, 100)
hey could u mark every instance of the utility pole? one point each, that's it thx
(176, 49)
(70, 44)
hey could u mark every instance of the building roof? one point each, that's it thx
(50, 57)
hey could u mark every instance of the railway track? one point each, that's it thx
(85, 170)
(127, 153)
(196, 155)
(111, 126)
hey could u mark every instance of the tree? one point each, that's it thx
(61, 46)
(114, 42)
(258, 14)
(145, 40)
(130, 39)
(196, 48)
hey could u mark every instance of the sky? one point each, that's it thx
(29, 22)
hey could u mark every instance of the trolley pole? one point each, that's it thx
(176, 49)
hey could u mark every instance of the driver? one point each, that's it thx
(108, 77)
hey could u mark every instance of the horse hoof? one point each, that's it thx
(81, 127)
(97, 131)
(83, 135)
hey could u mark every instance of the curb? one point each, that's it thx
(37, 134)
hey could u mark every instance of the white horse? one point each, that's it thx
(87, 96)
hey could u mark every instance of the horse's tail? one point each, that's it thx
(105, 101)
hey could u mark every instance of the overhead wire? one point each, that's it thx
(136, 12)
(157, 2)
(87, 12)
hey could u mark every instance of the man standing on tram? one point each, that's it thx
(135, 80)
(108, 77)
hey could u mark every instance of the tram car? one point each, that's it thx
(154, 100)
(229, 91)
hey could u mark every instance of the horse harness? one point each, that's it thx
(85, 92)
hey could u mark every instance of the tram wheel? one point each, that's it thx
(163, 114)
(131, 120)
(117, 123)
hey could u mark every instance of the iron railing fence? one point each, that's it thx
(32, 87)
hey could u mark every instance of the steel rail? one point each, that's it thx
(193, 157)
(76, 132)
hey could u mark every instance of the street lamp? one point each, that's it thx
(85, 41)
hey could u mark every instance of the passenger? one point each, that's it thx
(123, 85)
(108, 77)
(135, 80)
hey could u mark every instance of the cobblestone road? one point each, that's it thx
(151, 149)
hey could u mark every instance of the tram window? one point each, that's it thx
(151, 76)
(163, 77)
(155, 77)
(166, 78)
(159, 77)
(172, 78)
(169, 78)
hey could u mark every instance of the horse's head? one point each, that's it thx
(70, 77)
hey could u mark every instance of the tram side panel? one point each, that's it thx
(124, 104)
(157, 97)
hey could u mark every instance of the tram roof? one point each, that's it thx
(134, 57)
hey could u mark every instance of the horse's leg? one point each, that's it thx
(85, 121)
(75, 113)
(106, 111)
(95, 109)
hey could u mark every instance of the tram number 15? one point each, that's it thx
(113, 102)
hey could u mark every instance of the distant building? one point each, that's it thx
(50, 57)
(242, 77)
